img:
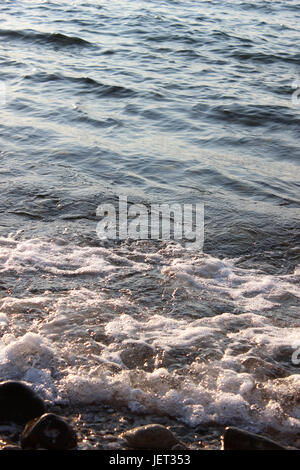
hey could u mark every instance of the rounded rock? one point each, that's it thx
(151, 436)
(49, 432)
(19, 403)
(238, 439)
(11, 447)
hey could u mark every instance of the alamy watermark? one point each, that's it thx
(296, 355)
(296, 93)
(180, 222)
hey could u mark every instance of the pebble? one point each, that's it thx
(151, 436)
(238, 439)
(19, 403)
(49, 432)
(11, 447)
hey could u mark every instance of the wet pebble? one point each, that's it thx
(151, 436)
(11, 447)
(19, 403)
(49, 432)
(238, 439)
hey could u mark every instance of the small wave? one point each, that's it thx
(57, 39)
(89, 84)
(251, 115)
(263, 57)
(223, 35)
(102, 123)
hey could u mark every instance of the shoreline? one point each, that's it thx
(102, 428)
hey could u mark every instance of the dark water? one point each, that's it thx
(166, 101)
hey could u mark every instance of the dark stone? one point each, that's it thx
(49, 432)
(179, 447)
(151, 436)
(237, 439)
(11, 447)
(19, 403)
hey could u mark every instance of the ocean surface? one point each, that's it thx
(162, 102)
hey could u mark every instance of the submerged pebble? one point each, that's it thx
(136, 354)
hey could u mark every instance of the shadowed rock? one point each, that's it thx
(237, 439)
(49, 432)
(151, 436)
(19, 403)
(11, 447)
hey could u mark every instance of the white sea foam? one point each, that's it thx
(249, 289)
(41, 256)
(229, 368)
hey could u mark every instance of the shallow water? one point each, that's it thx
(187, 102)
